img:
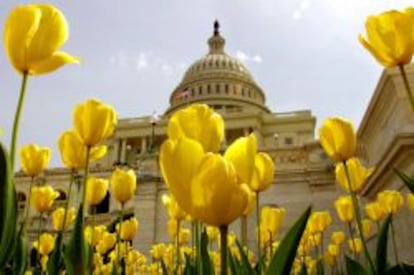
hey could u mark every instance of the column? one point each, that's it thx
(123, 150)
(143, 144)
(115, 157)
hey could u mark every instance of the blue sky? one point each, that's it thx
(303, 53)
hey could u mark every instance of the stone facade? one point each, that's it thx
(304, 174)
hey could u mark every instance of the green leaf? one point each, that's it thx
(55, 262)
(232, 263)
(282, 260)
(189, 268)
(353, 267)
(164, 268)
(206, 265)
(245, 264)
(409, 181)
(381, 259)
(75, 254)
(20, 258)
(320, 269)
(303, 270)
(8, 210)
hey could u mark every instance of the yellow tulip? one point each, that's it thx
(251, 203)
(241, 153)
(271, 219)
(174, 210)
(96, 190)
(157, 251)
(184, 235)
(212, 233)
(338, 237)
(45, 244)
(73, 151)
(198, 122)
(218, 198)
(333, 250)
(391, 201)
(42, 197)
(263, 173)
(366, 228)
(123, 184)
(172, 225)
(106, 243)
(345, 209)
(338, 138)
(33, 35)
(389, 38)
(319, 221)
(59, 214)
(355, 245)
(94, 121)
(357, 174)
(97, 234)
(410, 201)
(129, 229)
(178, 161)
(374, 211)
(34, 159)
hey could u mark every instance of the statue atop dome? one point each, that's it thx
(216, 42)
(216, 27)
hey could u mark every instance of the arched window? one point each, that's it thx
(103, 207)
(21, 199)
(62, 195)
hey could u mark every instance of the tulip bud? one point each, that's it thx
(129, 229)
(357, 174)
(106, 243)
(410, 197)
(73, 151)
(319, 221)
(338, 139)
(42, 197)
(355, 245)
(184, 235)
(263, 173)
(271, 219)
(389, 38)
(94, 121)
(338, 237)
(123, 184)
(59, 214)
(344, 209)
(96, 190)
(200, 123)
(391, 201)
(45, 244)
(333, 250)
(174, 210)
(34, 159)
(33, 35)
(366, 228)
(97, 234)
(374, 211)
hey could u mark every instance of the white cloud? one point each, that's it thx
(245, 57)
(145, 61)
(303, 7)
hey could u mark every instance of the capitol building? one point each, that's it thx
(304, 174)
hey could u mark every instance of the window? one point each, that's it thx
(288, 140)
(217, 88)
(103, 207)
(226, 88)
(208, 89)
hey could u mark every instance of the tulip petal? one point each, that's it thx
(98, 152)
(52, 63)
(386, 62)
(50, 35)
(21, 26)
(242, 153)
(178, 161)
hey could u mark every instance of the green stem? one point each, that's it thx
(177, 246)
(67, 202)
(85, 179)
(16, 122)
(259, 256)
(223, 249)
(93, 210)
(38, 239)
(352, 238)
(26, 216)
(397, 262)
(118, 237)
(198, 246)
(407, 85)
(358, 218)
(244, 230)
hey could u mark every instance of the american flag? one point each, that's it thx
(184, 93)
